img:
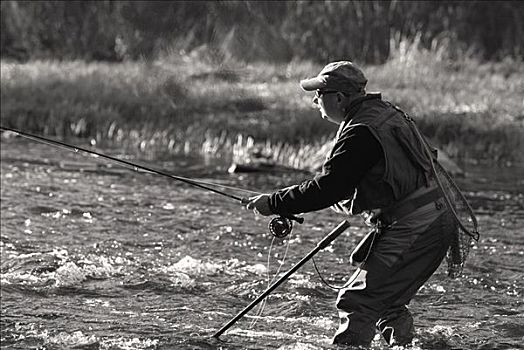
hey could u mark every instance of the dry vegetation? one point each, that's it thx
(188, 104)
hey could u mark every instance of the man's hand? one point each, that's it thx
(260, 205)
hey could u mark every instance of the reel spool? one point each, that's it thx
(280, 226)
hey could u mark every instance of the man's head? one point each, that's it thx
(336, 85)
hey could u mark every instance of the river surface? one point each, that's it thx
(95, 256)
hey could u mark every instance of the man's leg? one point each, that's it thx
(379, 288)
(396, 326)
(357, 318)
(396, 323)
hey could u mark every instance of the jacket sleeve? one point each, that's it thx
(355, 151)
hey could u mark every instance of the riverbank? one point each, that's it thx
(188, 104)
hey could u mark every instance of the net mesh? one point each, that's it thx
(466, 230)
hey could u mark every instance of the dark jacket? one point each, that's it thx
(376, 161)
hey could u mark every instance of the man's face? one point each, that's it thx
(328, 103)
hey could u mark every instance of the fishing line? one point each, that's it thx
(263, 304)
(323, 280)
(269, 281)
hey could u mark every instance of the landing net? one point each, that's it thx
(466, 229)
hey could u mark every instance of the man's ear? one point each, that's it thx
(341, 99)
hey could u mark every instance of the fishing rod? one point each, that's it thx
(279, 226)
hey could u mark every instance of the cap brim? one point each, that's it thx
(315, 83)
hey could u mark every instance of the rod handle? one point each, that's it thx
(321, 245)
(333, 234)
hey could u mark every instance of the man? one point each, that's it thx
(378, 167)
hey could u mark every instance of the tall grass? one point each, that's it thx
(187, 104)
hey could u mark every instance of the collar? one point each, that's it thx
(354, 106)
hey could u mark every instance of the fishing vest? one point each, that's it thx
(404, 167)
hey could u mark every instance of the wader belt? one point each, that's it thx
(408, 205)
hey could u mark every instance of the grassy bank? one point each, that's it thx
(185, 104)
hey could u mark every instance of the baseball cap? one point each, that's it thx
(341, 76)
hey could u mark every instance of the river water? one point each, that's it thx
(100, 257)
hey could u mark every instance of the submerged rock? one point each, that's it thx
(261, 167)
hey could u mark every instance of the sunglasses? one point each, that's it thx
(320, 93)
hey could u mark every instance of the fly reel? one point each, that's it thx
(280, 226)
